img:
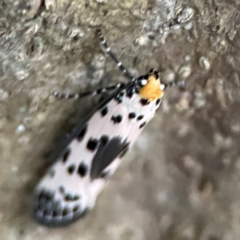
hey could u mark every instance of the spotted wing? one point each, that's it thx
(71, 186)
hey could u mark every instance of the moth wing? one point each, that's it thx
(71, 185)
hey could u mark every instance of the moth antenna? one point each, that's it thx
(85, 94)
(113, 56)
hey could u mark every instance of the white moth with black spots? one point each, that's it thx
(95, 148)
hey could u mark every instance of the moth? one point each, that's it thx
(96, 147)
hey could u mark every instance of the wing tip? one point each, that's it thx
(54, 222)
(49, 221)
(49, 214)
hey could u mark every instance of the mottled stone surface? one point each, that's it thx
(181, 180)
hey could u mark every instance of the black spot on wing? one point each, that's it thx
(45, 195)
(71, 197)
(92, 144)
(104, 139)
(144, 102)
(76, 197)
(142, 125)
(71, 169)
(76, 208)
(132, 115)
(116, 119)
(82, 169)
(68, 196)
(140, 117)
(82, 133)
(104, 111)
(66, 211)
(66, 155)
(105, 154)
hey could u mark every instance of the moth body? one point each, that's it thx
(96, 148)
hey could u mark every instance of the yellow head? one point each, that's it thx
(152, 89)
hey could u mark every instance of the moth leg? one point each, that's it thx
(89, 93)
(113, 56)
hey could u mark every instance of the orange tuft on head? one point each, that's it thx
(151, 91)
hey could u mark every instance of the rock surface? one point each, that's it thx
(181, 180)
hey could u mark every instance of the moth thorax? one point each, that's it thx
(152, 90)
